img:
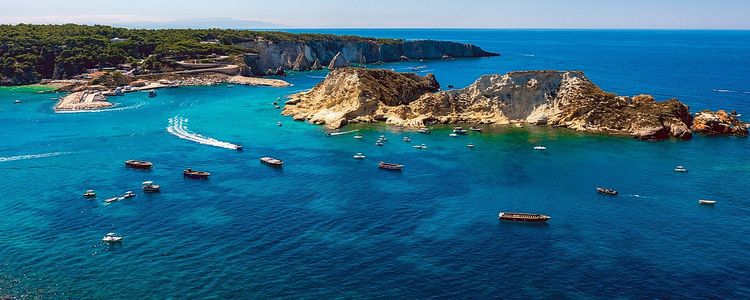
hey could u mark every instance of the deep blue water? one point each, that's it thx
(328, 226)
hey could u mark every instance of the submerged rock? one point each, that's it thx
(338, 61)
(718, 123)
(564, 99)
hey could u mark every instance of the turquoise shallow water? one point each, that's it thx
(328, 226)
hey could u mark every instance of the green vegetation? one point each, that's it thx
(29, 53)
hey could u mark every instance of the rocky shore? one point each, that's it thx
(554, 98)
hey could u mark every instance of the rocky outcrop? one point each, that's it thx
(316, 65)
(264, 54)
(564, 99)
(718, 123)
(301, 63)
(338, 61)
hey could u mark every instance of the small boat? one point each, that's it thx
(272, 161)
(706, 202)
(470, 145)
(424, 130)
(604, 191)
(359, 155)
(390, 166)
(423, 146)
(277, 107)
(113, 199)
(139, 164)
(89, 194)
(238, 148)
(379, 143)
(279, 123)
(406, 139)
(150, 187)
(111, 238)
(460, 130)
(128, 194)
(453, 135)
(383, 138)
(358, 137)
(190, 173)
(450, 86)
(542, 148)
(152, 93)
(680, 169)
(16, 101)
(275, 103)
(522, 217)
(476, 129)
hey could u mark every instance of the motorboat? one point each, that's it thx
(706, 202)
(113, 199)
(390, 166)
(453, 135)
(406, 139)
(383, 138)
(379, 143)
(150, 187)
(522, 217)
(272, 161)
(605, 191)
(16, 101)
(190, 173)
(276, 107)
(359, 155)
(89, 194)
(475, 129)
(128, 194)
(424, 130)
(470, 145)
(542, 148)
(152, 93)
(680, 169)
(238, 148)
(110, 238)
(423, 146)
(279, 123)
(139, 164)
(358, 136)
(460, 130)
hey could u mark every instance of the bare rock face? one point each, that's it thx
(338, 61)
(718, 123)
(316, 65)
(301, 63)
(564, 99)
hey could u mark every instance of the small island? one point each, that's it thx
(555, 98)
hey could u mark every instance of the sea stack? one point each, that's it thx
(555, 98)
(338, 61)
(301, 63)
(316, 65)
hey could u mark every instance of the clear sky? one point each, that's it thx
(396, 13)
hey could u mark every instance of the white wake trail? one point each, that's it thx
(178, 127)
(31, 156)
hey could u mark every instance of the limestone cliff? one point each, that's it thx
(264, 54)
(564, 99)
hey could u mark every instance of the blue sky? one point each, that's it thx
(708, 14)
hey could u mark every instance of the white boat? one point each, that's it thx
(113, 199)
(406, 139)
(358, 137)
(706, 202)
(453, 135)
(424, 130)
(423, 146)
(111, 238)
(89, 194)
(383, 138)
(379, 143)
(150, 187)
(470, 145)
(680, 169)
(17, 101)
(278, 123)
(540, 148)
(128, 194)
(359, 155)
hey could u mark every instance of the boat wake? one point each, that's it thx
(102, 110)
(31, 156)
(316, 77)
(730, 91)
(342, 132)
(178, 127)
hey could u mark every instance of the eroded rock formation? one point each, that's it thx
(718, 123)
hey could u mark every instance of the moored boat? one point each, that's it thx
(89, 194)
(190, 173)
(470, 145)
(279, 123)
(128, 194)
(382, 138)
(152, 93)
(359, 155)
(379, 143)
(358, 136)
(453, 135)
(541, 148)
(424, 130)
(113, 199)
(606, 191)
(460, 130)
(111, 238)
(680, 169)
(422, 147)
(16, 101)
(390, 166)
(272, 161)
(406, 139)
(476, 129)
(522, 217)
(706, 202)
(150, 187)
(139, 164)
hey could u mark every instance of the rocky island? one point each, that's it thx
(555, 98)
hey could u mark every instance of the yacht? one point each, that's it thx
(680, 169)
(150, 187)
(359, 155)
(390, 166)
(190, 173)
(139, 164)
(605, 191)
(540, 148)
(89, 194)
(111, 238)
(706, 202)
(522, 217)
(470, 145)
(272, 161)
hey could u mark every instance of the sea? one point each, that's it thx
(327, 226)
